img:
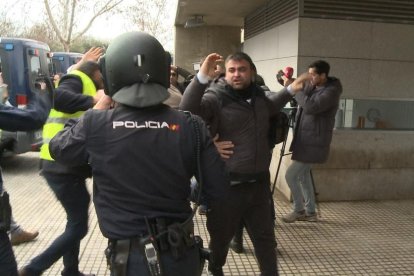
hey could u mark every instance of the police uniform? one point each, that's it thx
(13, 119)
(142, 155)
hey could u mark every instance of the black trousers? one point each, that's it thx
(8, 266)
(250, 203)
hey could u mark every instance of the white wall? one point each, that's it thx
(373, 60)
(274, 50)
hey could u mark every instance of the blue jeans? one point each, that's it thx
(8, 266)
(71, 191)
(299, 179)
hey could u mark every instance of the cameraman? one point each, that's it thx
(318, 101)
(142, 155)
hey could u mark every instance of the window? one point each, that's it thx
(384, 114)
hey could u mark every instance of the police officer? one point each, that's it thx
(14, 119)
(142, 155)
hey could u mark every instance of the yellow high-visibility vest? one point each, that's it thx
(56, 120)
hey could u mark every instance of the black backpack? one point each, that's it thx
(278, 129)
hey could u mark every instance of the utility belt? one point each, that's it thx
(242, 178)
(163, 235)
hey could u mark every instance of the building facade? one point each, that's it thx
(370, 46)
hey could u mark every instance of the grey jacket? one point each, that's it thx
(315, 120)
(233, 118)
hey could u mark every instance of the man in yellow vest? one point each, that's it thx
(77, 91)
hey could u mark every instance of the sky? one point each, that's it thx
(102, 28)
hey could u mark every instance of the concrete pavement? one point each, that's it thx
(351, 238)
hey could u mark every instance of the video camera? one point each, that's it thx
(287, 72)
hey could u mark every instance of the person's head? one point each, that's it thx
(173, 77)
(240, 71)
(92, 69)
(57, 77)
(319, 70)
(136, 70)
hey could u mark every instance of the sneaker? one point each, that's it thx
(312, 217)
(65, 273)
(294, 216)
(25, 271)
(237, 247)
(22, 237)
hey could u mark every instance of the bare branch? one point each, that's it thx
(106, 8)
(72, 17)
(53, 22)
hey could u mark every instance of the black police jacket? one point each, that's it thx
(142, 161)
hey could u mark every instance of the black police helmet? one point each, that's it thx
(136, 70)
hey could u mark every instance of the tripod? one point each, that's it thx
(292, 115)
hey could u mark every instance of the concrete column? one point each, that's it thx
(196, 43)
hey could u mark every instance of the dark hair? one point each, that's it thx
(241, 56)
(320, 67)
(89, 67)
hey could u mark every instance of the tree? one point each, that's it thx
(7, 28)
(43, 32)
(153, 17)
(65, 16)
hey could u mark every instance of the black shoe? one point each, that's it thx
(237, 247)
(66, 273)
(215, 271)
(202, 210)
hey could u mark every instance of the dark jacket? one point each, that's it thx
(68, 98)
(244, 123)
(30, 118)
(315, 120)
(142, 161)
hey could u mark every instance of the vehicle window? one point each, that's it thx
(3, 68)
(34, 66)
(50, 66)
(35, 70)
(57, 67)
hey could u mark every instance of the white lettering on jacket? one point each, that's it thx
(145, 124)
